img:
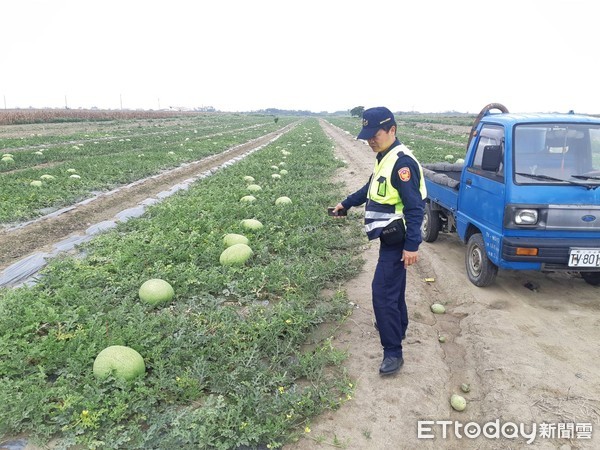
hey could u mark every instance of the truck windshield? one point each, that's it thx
(556, 152)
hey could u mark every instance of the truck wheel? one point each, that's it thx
(592, 278)
(486, 109)
(430, 228)
(480, 269)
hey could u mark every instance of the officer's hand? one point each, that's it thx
(409, 258)
(337, 208)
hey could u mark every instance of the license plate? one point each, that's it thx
(584, 257)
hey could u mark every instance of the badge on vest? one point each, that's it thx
(404, 174)
(381, 186)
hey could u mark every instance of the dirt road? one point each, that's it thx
(528, 346)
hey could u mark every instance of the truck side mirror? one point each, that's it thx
(492, 157)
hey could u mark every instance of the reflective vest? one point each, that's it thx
(384, 204)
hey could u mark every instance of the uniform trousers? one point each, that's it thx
(389, 302)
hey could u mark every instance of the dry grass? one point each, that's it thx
(26, 116)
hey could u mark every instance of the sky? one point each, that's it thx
(317, 55)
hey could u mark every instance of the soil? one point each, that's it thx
(528, 345)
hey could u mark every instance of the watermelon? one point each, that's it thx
(283, 201)
(236, 255)
(156, 291)
(233, 238)
(458, 402)
(248, 199)
(120, 361)
(437, 308)
(252, 224)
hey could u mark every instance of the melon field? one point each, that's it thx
(82, 162)
(230, 312)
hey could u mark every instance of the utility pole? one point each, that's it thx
(121, 101)
(5, 102)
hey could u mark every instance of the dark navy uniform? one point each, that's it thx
(396, 191)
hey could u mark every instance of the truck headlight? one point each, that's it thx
(526, 216)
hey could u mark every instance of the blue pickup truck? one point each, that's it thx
(526, 196)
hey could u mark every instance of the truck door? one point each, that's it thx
(481, 199)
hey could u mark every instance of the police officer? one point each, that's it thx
(394, 197)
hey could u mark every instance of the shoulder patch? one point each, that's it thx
(404, 174)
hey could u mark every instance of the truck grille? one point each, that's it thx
(573, 217)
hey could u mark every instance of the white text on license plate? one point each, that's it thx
(584, 257)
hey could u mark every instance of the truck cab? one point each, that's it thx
(528, 196)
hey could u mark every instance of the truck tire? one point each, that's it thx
(592, 278)
(486, 109)
(481, 271)
(430, 228)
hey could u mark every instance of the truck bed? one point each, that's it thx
(442, 181)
